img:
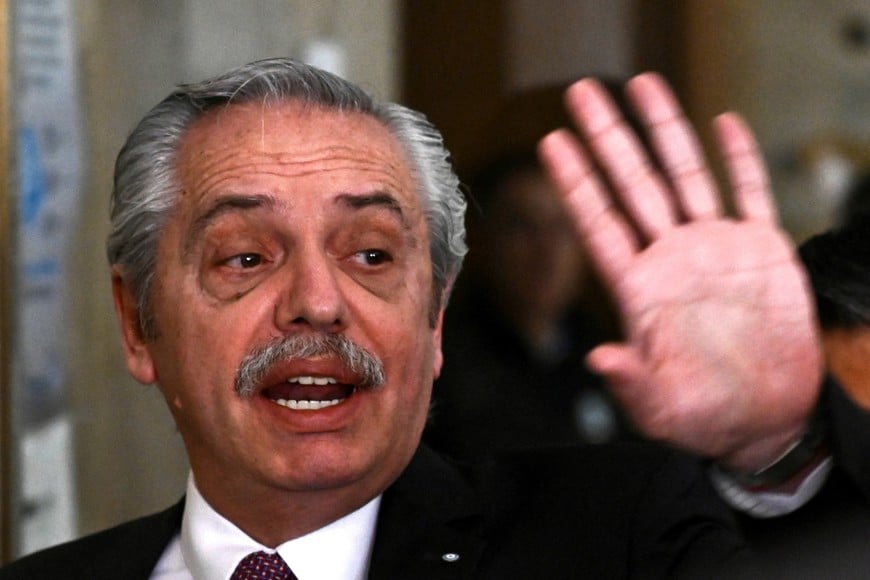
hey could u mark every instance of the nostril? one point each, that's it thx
(319, 323)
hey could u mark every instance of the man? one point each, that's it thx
(282, 250)
(838, 264)
(527, 307)
(519, 326)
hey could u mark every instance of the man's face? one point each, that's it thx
(534, 262)
(291, 221)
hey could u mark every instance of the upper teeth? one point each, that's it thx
(312, 380)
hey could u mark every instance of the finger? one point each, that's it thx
(676, 145)
(617, 362)
(626, 375)
(608, 239)
(747, 172)
(621, 154)
(630, 382)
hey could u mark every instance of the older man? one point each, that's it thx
(282, 250)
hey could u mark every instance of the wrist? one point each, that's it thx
(792, 465)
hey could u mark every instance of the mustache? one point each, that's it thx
(355, 358)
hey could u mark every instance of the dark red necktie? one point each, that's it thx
(263, 566)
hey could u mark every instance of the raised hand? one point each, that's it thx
(721, 353)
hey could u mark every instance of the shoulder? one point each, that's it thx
(620, 479)
(631, 468)
(613, 509)
(650, 507)
(129, 550)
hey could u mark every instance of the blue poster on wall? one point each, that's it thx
(47, 107)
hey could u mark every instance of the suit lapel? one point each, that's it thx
(429, 528)
(136, 547)
(429, 524)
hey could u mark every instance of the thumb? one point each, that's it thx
(628, 380)
(619, 364)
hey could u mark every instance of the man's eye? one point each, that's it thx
(245, 261)
(373, 257)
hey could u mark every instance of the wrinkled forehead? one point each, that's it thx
(292, 139)
(295, 125)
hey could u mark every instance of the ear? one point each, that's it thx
(438, 358)
(136, 352)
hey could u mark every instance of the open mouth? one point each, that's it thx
(309, 393)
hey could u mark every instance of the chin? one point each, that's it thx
(324, 470)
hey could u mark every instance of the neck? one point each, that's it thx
(847, 353)
(275, 516)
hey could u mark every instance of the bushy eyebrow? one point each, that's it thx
(226, 204)
(382, 199)
(235, 202)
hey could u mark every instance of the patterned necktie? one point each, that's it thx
(263, 566)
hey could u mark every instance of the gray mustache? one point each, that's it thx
(355, 358)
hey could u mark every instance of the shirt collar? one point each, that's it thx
(212, 546)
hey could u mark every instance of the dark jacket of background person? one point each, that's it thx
(498, 394)
(827, 537)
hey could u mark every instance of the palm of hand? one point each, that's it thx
(700, 304)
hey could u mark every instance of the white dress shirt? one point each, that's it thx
(210, 546)
(769, 504)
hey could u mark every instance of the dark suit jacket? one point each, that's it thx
(631, 511)
(830, 536)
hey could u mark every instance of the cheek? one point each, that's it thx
(417, 368)
(200, 346)
(404, 335)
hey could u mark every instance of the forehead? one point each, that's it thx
(290, 142)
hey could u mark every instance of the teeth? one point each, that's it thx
(312, 380)
(307, 405)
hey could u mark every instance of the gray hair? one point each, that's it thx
(146, 186)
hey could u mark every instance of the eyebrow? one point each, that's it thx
(380, 199)
(376, 199)
(235, 202)
(226, 204)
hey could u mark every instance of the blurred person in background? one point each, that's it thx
(523, 320)
(529, 305)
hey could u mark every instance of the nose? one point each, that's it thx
(311, 298)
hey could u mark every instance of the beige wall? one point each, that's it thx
(788, 66)
(129, 458)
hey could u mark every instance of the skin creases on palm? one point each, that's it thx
(696, 295)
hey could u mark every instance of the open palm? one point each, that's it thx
(721, 353)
